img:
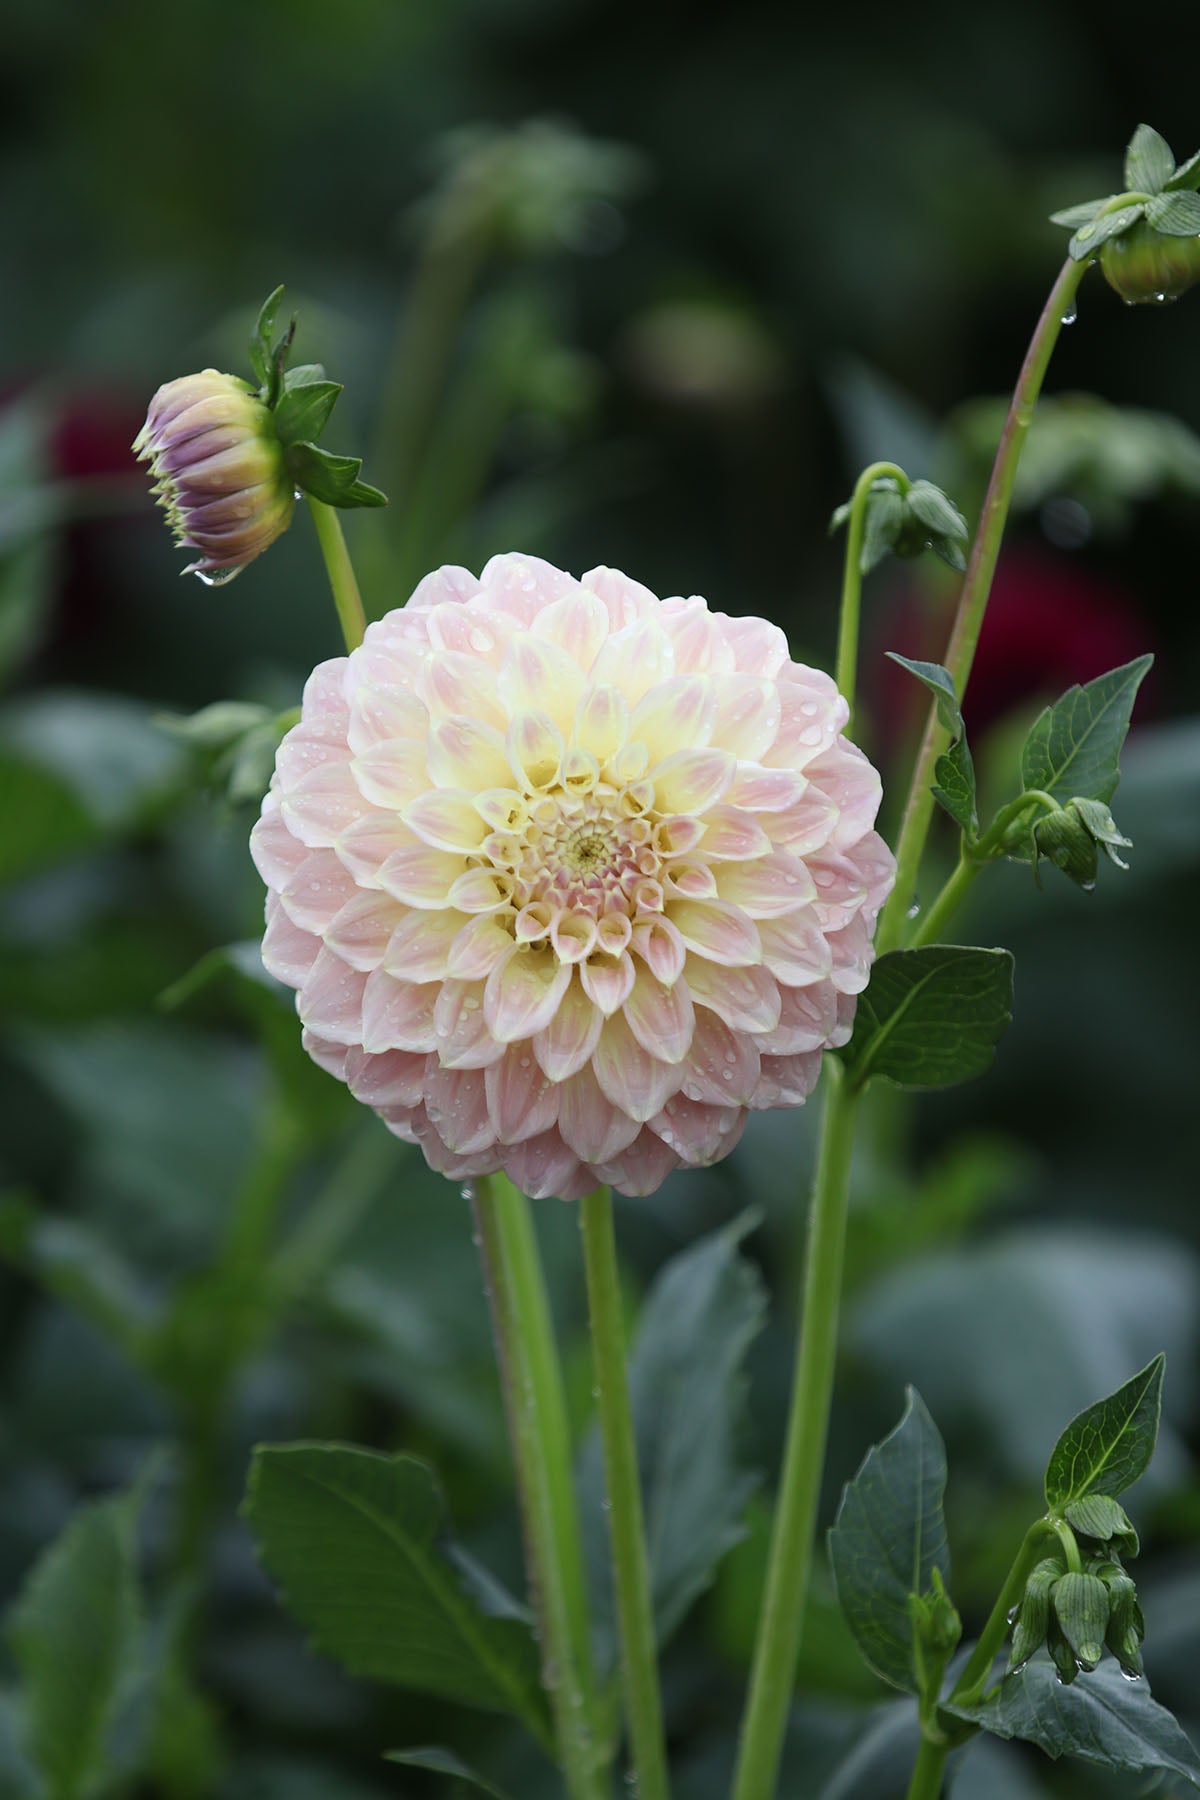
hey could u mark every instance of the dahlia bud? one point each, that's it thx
(1033, 1615)
(1147, 237)
(1126, 1626)
(219, 470)
(1081, 1607)
(1145, 265)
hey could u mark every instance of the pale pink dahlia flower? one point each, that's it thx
(568, 878)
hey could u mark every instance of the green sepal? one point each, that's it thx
(1149, 161)
(1074, 216)
(884, 523)
(303, 410)
(1088, 239)
(954, 770)
(1063, 839)
(1033, 1614)
(1081, 1606)
(268, 353)
(1126, 1626)
(333, 479)
(1099, 1516)
(1061, 1653)
(1176, 214)
(1102, 826)
(1187, 175)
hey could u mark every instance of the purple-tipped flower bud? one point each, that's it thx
(219, 470)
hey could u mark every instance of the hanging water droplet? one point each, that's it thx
(1070, 316)
(218, 577)
(467, 1192)
(1131, 1675)
(914, 911)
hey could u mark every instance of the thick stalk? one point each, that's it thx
(972, 603)
(346, 596)
(929, 1771)
(537, 1423)
(631, 1575)
(790, 1564)
(852, 577)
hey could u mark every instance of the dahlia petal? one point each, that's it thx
(573, 936)
(608, 980)
(624, 599)
(446, 819)
(747, 999)
(464, 1038)
(398, 1015)
(640, 1169)
(420, 875)
(454, 684)
(543, 1166)
(660, 1018)
(325, 701)
(877, 867)
(333, 1058)
(658, 943)
(678, 836)
(715, 929)
(524, 584)
(578, 624)
(602, 722)
(331, 999)
(447, 584)
(786, 1080)
(614, 933)
(692, 881)
(690, 781)
(366, 845)
(537, 675)
(632, 1079)
(807, 825)
(841, 893)
(852, 952)
(722, 1067)
(564, 1045)
(455, 1165)
(482, 891)
(733, 835)
(699, 643)
(463, 753)
(287, 952)
(747, 714)
(420, 946)
(317, 890)
(535, 747)
(590, 1124)
(769, 886)
(473, 630)
(502, 809)
(807, 1020)
(304, 749)
(322, 804)
(521, 1099)
(395, 1079)
(673, 714)
(698, 1134)
(634, 659)
(844, 774)
(794, 948)
(392, 773)
(523, 991)
(360, 930)
(277, 854)
(478, 947)
(763, 790)
(381, 715)
(759, 646)
(456, 1104)
(813, 712)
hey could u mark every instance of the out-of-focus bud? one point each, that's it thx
(219, 470)
(1081, 1607)
(1143, 265)
(1033, 1614)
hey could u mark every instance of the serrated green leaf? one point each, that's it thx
(1088, 238)
(1101, 1717)
(687, 1391)
(1149, 161)
(74, 1631)
(1074, 748)
(889, 1537)
(264, 331)
(955, 770)
(932, 507)
(333, 479)
(1107, 1446)
(303, 410)
(444, 1762)
(354, 1540)
(885, 518)
(1175, 215)
(1101, 1517)
(1187, 175)
(931, 1017)
(1074, 216)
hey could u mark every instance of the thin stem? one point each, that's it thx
(788, 1570)
(953, 893)
(537, 1423)
(929, 1770)
(971, 1683)
(972, 603)
(852, 577)
(635, 1617)
(346, 596)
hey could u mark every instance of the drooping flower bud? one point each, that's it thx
(1033, 1614)
(1081, 1607)
(1126, 1626)
(1144, 265)
(219, 470)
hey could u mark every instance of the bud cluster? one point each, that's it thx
(1078, 1612)
(906, 518)
(1072, 836)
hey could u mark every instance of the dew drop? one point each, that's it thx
(480, 639)
(1012, 1614)
(606, 1504)
(1130, 1675)
(467, 1192)
(219, 578)
(1070, 317)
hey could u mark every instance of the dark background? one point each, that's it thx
(745, 251)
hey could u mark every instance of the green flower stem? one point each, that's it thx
(973, 858)
(537, 1423)
(929, 1770)
(346, 596)
(852, 579)
(635, 1615)
(964, 637)
(992, 842)
(774, 1668)
(953, 893)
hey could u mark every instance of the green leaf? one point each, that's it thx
(1107, 1446)
(1187, 175)
(1074, 748)
(303, 410)
(889, 1538)
(954, 769)
(75, 1632)
(1102, 1718)
(1074, 216)
(444, 1762)
(44, 821)
(687, 1391)
(1149, 161)
(261, 350)
(1176, 215)
(355, 1541)
(931, 1017)
(333, 479)
(1088, 238)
